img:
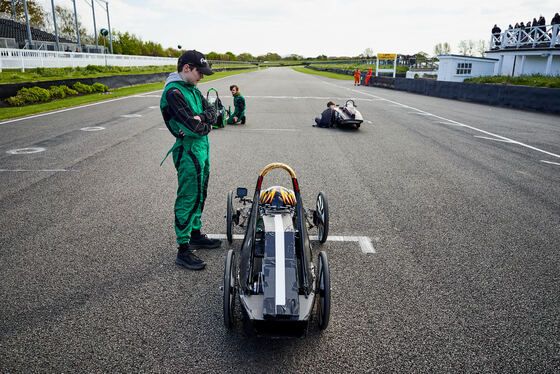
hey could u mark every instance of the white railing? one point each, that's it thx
(27, 59)
(547, 36)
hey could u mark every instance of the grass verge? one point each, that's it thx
(327, 74)
(523, 80)
(14, 112)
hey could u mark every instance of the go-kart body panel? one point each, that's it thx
(348, 115)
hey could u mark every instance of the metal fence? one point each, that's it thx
(546, 36)
(27, 59)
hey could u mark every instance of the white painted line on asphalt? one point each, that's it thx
(550, 162)
(162, 128)
(154, 107)
(67, 109)
(251, 130)
(369, 122)
(364, 241)
(497, 140)
(421, 114)
(449, 123)
(92, 104)
(25, 151)
(342, 99)
(158, 96)
(131, 115)
(37, 170)
(456, 122)
(93, 128)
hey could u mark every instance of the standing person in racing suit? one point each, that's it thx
(368, 76)
(189, 118)
(357, 75)
(239, 104)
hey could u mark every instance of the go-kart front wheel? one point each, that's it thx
(229, 289)
(229, 217)
(322, 217)
(323, 292)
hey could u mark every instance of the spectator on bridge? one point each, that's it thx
(368, 76)
(189, 118)
(238, 115)
(496, 31)
(555, 20)
(357, 75)
(327, 117)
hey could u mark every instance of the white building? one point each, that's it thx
(522, 51)
(526, 51)
(455, 68)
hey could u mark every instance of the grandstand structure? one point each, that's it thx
(526, 51)
(17, 53)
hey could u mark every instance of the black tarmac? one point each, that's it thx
(461, 202)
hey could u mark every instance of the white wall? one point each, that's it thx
(448, 66)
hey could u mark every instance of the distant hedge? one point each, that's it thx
(34, 95)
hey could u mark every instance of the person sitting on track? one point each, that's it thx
(327, 117)
(238, 115)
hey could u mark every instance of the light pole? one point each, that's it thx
(55, 29)
(108, 24)
(28, 27)
(77, 30)
(14, 10)
(94, 27)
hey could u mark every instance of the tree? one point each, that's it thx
(66, 26)
(213, 56)
(245, 57)
(294, 57)
(482, 47)
(321, 57)
(442, 49)
(127, 44)
(230, 56)
(272, 56)
(152, 49)
(368, 52)
(466, 47)
(35, 11)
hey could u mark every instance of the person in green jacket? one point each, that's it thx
(189, 118)
(239, 104)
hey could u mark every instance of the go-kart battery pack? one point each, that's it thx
(280, 286)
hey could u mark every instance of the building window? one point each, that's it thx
(464, 68)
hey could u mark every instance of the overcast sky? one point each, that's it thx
(310, 27)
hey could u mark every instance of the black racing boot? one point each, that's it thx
(200, 241)
(186, 257)
(243, 119)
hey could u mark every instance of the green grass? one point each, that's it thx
(524, 80)
(91, 71)
(400, 69)
(324, 73)
(13, 112)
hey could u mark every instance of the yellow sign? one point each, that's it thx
(386, 56)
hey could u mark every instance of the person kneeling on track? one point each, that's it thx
(238, 115)
(327, 117)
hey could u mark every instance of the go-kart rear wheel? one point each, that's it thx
(322, 211)
(323, 291)
(229, 217)
(220, 121)
(229, 289)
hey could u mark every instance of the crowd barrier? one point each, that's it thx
(27, 59)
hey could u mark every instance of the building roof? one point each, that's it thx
(469, 57)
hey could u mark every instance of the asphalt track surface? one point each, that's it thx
(461, 202)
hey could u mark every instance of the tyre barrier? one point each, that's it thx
(113, 81)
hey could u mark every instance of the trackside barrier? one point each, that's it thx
(27, 59)
(115, 81)
(540, 99)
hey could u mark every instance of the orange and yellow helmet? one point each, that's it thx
(278, 196)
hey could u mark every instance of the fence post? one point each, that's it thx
(22, 63)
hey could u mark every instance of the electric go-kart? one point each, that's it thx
(277, 279)
(348, 115)
(221, 111)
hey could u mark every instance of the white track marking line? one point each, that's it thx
(550, 162)
(154, 106)
(26, 151)
(365, 243)
(93, 128)
(38, 170)
(251, 130)
(497, 140)
(158, 96)
(449, 123)
(131, 115)
(455, 122)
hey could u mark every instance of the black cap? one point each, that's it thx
(197, 60)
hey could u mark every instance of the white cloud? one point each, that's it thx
(310, 27)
